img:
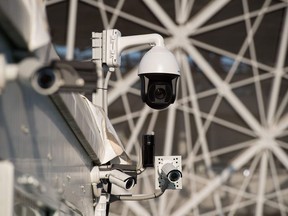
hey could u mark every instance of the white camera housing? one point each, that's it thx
(43, 79)
(159, 72)
(121, 179)
(158, 69)
(168, 169)
(115, 177)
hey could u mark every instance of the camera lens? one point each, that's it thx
(160, 93)
(129, 183)
(174, 176)
(46, 78)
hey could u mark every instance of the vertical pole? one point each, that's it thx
(71, 29)
(100, 209)
(275, 90)
(262, 184)
(6, 188)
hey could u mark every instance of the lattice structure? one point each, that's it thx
(230, 119)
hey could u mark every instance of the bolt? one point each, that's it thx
(60, 190)
(24, 129)
(80, 82)
(49, 156)
(83, 188)
(42, 189)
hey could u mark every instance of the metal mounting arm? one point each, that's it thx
(128, 41)
(108, 45)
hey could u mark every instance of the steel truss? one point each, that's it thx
(253, 180)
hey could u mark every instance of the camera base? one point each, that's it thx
(159, 178)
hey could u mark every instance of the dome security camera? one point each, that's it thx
(159, 72)
(158, 69)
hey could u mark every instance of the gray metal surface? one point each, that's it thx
(35, 137)
(76, 113)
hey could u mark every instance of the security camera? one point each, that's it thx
(121, 179)
(44, 79)
(159, 72)
(170, 172)
(114, 176)
(158, 69)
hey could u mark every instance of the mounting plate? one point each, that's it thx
(159, 162)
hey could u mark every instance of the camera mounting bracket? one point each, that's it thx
(160, 161)
(108, 45)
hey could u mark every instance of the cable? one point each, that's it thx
(105, 87)
(137, 197)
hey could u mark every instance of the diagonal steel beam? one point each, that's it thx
(215, 183)
(162, 16)
(224, 89)
(205, 14)
(262, 184)
(278, 71)
(71, 29)
(122, 86)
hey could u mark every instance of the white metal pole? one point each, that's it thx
(116, 13)
(278, 71)
(255, 68)
(231, 55)
(134, 136)
(71, 30)
(169, 136)
(280, 154)
(122, 86)
(100, 209)
(170, 127)
(103, 14)
(224, 150)
(244, 186)
(282, 125)
(51, 2)
(201, 131)
(127, 16)
(205, 14)
(161, 15)
(152, 122)
(224, 89)
(281, 107)
(197, 115)
(276, 183)
(183, 10)
(237, 19)
(6, 188)
(262, 184)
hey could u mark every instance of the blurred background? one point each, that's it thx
(229, 122)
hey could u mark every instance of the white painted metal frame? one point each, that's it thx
(257, 155)
(6, 188)
(71, 29)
